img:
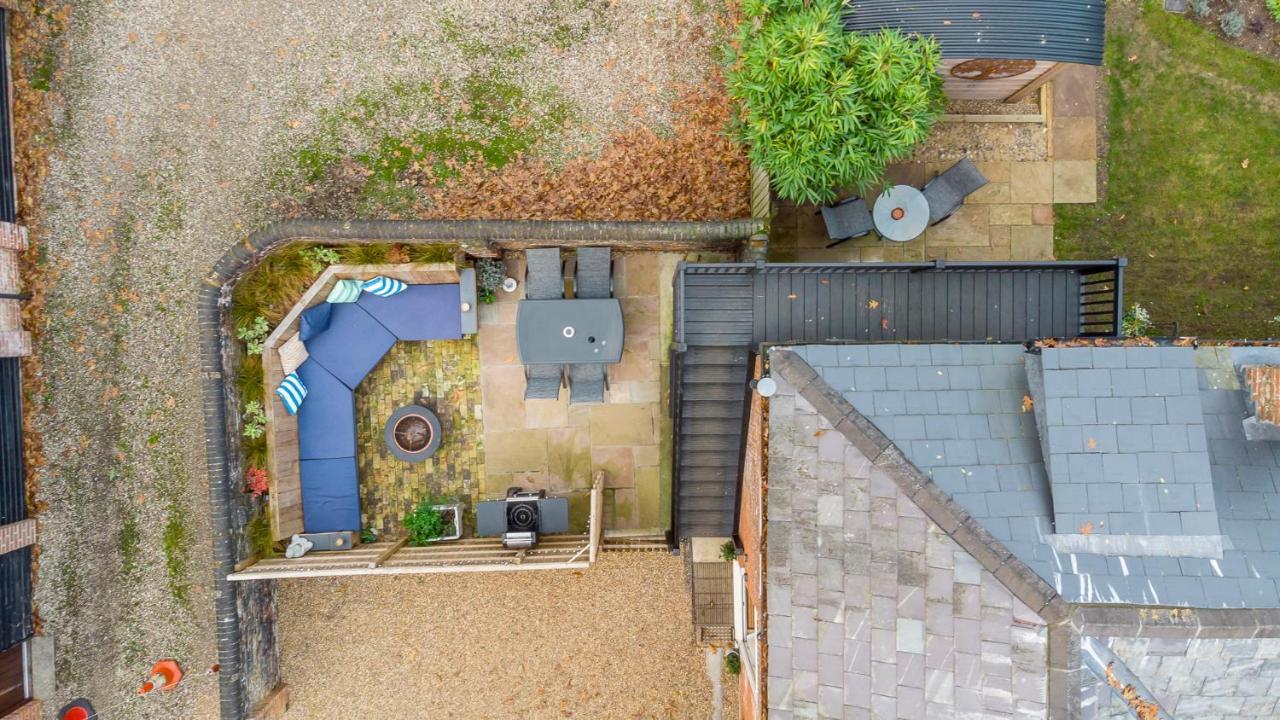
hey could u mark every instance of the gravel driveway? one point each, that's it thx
(613, 641)
(178, 123)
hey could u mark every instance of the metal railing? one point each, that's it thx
(1102, 299)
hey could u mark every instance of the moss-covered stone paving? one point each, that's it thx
(445, 375)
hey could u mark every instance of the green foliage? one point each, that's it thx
(130, 542)
(255, 420)
(732, 663)
(368, 535)
(823, 108)
(727, 551)
(1273, 7)
(1201, 8)
(177, 539)
(1136, 321)
(321, 257)
(1232, 23)
(490, 273)
(253, 334)
(424, 523)
(258, 531)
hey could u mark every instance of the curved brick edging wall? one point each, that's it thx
(476, 237)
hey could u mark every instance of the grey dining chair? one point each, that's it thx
(847, 219)
(593, 273)
(587, 383)
(543, 382)
(946, 193)
(543, 276)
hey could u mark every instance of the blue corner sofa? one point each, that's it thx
(344, 343)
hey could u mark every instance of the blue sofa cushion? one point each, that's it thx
(315, 320)
(421, 312)
(353, 344)
(327, 420)
(330, 495)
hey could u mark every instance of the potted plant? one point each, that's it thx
(430, 522)
(489, 276)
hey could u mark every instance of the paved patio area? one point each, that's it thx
(1009, 219)
(553, 445)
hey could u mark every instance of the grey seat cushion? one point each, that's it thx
(543, 381)
(586, 383)
(544, 278)
(947, 192)
(848, 219)
(594, 275)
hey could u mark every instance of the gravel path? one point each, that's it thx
(609, 642)
(175, 116)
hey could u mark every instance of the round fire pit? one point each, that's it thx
(413, 433)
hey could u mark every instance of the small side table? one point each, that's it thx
(901, 213)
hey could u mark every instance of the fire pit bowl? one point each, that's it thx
(413, 433)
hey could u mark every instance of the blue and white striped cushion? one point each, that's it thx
(384, 286)
(292, 392)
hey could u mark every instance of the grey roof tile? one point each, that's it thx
(1148, 410)
(915, 355)
(1113, 410)
(946, 354)
(1142, 357)
(1112, 357)
(1061, 383)
(1075, 358)
(1163, 382)
(981, 355)
(1169, 438)
(1133, 438)
(932, 378)
(1128, 383)
(901, 378)
(1077, 411)
(883, 355)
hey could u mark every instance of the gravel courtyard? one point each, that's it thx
(177, 126)
(613, 641)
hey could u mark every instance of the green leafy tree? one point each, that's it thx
(823, 108)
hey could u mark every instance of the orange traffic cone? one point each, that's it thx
(165, 675)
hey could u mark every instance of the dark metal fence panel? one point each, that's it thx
(15, 597)
(15, 567)
(8, 189)
(13, 494)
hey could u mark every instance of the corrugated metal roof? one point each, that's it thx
(1059, 30)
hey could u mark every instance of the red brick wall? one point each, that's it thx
(751, 532)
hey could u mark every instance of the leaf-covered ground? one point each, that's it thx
(1193, 177)
(155, 134)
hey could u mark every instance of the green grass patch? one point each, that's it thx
(129, 542)
(177, 555)
(410, 136)
(1193, 177)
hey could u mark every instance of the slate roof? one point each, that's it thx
(1063, 30)
(873, 610)
(1124, 437)
(956, 412)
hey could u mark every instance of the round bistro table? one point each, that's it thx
(901, 213)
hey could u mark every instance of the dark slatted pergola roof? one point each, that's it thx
(1050, 30)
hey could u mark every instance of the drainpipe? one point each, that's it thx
(482, 237)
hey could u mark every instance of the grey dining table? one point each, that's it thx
(553, 332)
(901, 213)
